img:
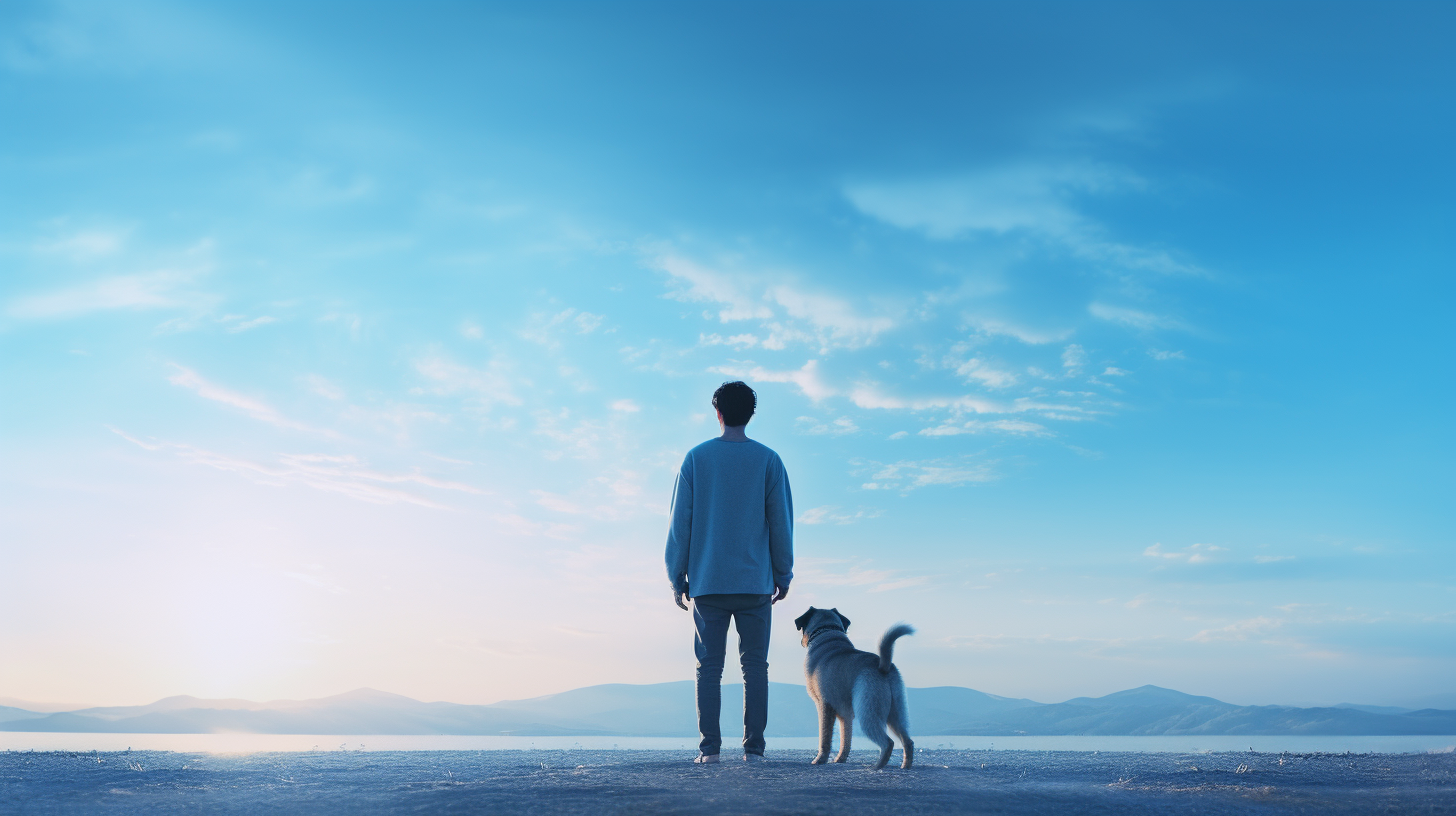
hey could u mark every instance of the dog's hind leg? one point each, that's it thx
(826, 733)
(872, 709)
(846, 728)
(899, 724)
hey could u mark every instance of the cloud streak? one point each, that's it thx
(342, 475)
(257, 409)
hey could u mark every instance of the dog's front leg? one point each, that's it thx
(826, 733)
(846, 727)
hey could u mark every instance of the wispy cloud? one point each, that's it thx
(740, 341)
(1032, 198)
(906, 476)
(240, 325)
(1003, 327)
(486, 385)
(1192, 554)
(257, 409)
(547, 329)
(829, 514)
(869, 395)
(837, 427)
(84, 245)
(1133, 318)
(1239, 630)
(974, 426)
(695, 283)
(789, 313)
(344, 475)
(150, 290)
(807, 378)
(841, 573)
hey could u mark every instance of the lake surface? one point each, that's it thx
(250, 743)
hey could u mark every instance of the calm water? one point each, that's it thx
(248, 743)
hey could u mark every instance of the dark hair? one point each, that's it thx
(736, 402)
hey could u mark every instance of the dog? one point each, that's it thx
(847, 683)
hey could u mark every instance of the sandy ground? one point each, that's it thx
(607, 782)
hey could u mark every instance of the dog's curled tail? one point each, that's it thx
(887, 644)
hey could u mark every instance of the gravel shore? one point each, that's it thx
(635, 782)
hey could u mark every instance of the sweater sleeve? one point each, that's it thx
(779, 509)
(680, 529)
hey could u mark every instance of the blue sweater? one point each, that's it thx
(732, 525)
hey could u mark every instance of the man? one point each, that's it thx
(730, 550)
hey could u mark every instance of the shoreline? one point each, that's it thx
(247, 743)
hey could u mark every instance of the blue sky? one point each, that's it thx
(357, 345)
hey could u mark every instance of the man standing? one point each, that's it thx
(730, 550)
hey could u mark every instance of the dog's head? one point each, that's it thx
(816, 619)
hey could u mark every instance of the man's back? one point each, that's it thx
(732, 521)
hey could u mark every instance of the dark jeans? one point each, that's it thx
(750, 613)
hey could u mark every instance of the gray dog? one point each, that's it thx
(847, 683)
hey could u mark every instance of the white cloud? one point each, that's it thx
(1165, 355)
(702, 285)
(975, 426)
(840, 573)
(870, 396)
(1239, 630)
(740, 341)
(245, 325)
(626, 406)
(906, 476)
(829, 514)
(832, 316)
(84, 245)
(1073, 358)
(1192, 554)
(261, 411)
(978, 370)
(323, 387)
(838, 427)
(1026, 197)
(1112, 371)
(559, 504)
(316, 187)
(1033, 198)
(1005, 328)
(343, 475)
(1270, 559)
(1132, 317)
(152, 290)
(806, 378)
(545, 329)
(488, 385)
(809, 317)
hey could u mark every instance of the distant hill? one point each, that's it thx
(668, 709)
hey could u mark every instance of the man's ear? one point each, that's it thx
(842, 619)
(803, 620)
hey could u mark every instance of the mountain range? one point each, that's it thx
(667, 709)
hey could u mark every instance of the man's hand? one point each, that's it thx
(678, 597)
(780, 593)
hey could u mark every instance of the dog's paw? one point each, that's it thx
(819, 760)
(842, 758)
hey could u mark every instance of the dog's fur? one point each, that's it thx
(847, 683)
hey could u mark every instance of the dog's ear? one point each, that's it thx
(842, 619)
(803, 620)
